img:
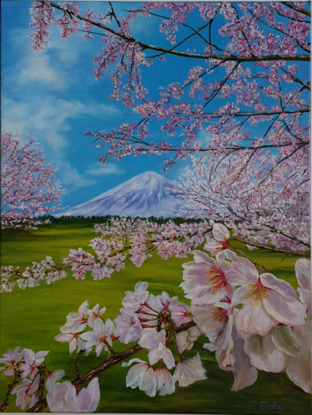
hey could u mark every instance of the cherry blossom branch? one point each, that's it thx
(112, 361)
(297, 9)
(271, 249)
(224, 58)
(11, 386)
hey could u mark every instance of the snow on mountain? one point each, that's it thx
(144, 195)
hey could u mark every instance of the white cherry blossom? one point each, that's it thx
(142, 376)
(94, 314)
(189, 371)
(267, 300)
(219, 242)
(100, 337)
(155, 342)
(165, 381)
(76, 322)
(303, 274)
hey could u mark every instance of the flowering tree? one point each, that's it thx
(28, 186)
(252, 320)
(250, 95)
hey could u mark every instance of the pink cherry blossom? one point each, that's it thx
(63, 397)
(128, 326)
(136, 299)
(267, 300)
(28, 186)
(205, 279)
(25, 392)
(221, 235)
(32, 361)
(142, 376)
(10, 359)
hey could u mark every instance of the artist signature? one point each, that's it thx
(273, 407)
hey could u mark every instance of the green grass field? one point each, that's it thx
(32, 318)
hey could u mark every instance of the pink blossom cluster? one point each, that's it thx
(251, 57)
(258, 208)
(252, 321)
(29, 371)
(28, 186)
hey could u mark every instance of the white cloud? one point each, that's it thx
(49, 116)
(38, 68)
(104, 170)
(70, 178)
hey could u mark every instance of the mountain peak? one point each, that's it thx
(144, 195)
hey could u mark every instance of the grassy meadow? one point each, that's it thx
(32, 318)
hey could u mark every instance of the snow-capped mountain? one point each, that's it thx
(144, 195)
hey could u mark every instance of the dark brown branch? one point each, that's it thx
(271, 249)
(79, 356)
(297, 9)
(239, 59)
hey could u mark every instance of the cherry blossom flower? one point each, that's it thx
(165, 381)
(142, 376)
(136, 299)
(185, 339)
(128, 326)
(205, 279)
(76, 322)
(100, 337)
(155, 342)
(234, 359)
(73, 339)
(63, 398)
(10, 359)
(221, 235)
(53, 377)
(267, 300)
(32, 361)
(25, 392)
(303, 274)
(189, 371)
(94, 314)
(298, 365)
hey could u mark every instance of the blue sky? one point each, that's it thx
(53, 97)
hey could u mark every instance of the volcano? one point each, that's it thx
(144, 195)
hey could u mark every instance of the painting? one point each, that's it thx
(155, 207)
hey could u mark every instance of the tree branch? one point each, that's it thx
(297, 9)
(112, 361)
(224, 58)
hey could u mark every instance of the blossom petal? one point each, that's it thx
(253, 319)
(284, 309)
(303, 273)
